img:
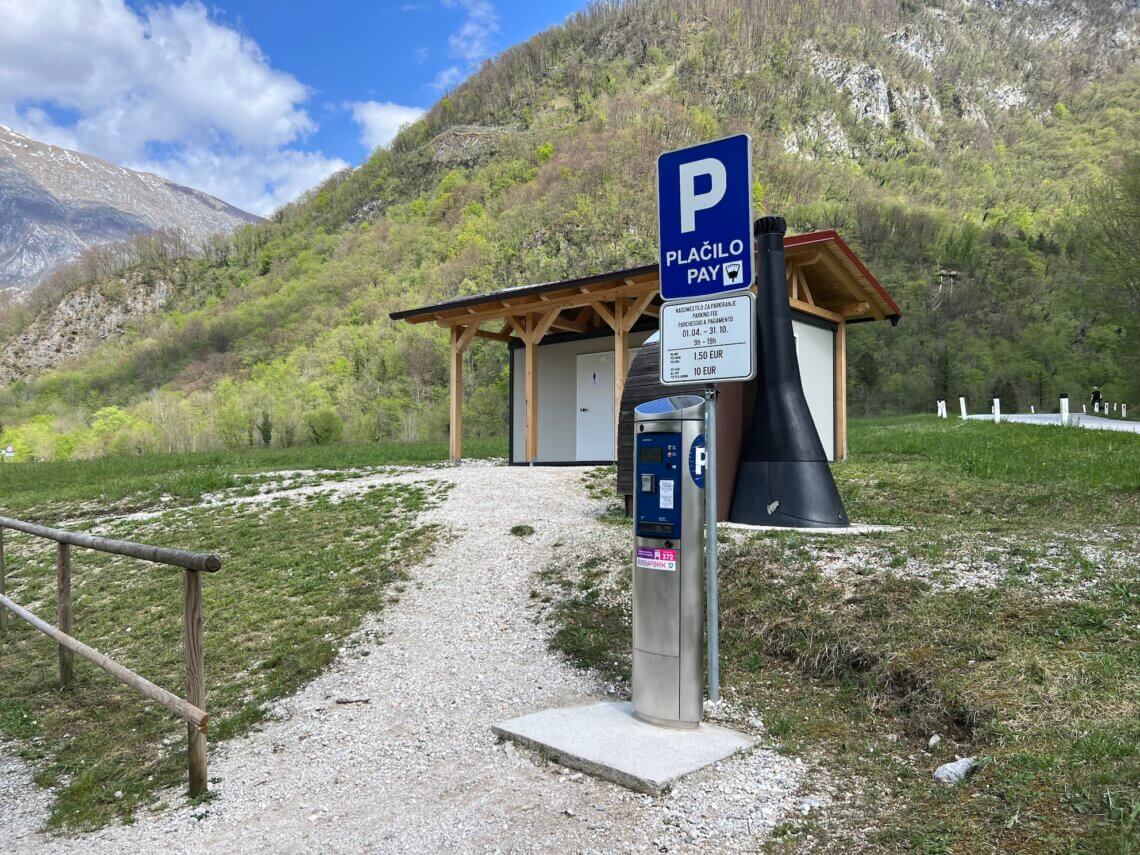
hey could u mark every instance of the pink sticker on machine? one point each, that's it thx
(650, 558)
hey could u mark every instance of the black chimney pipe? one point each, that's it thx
(783, 478)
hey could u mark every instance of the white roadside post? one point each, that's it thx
(1032, 410)
(706, 268)
(1064, 411)
(997, 410)
(962, 405)
(1124, 411)
(1084, 409)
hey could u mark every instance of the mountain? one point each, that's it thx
(54, 203)
(944, 135)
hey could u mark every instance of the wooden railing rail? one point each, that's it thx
(192, 708)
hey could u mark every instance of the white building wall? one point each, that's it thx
(557, 395)
(557, 389)
(815, 349)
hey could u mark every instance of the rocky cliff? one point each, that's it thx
(79, 321)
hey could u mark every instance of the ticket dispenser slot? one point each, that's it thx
(668, 585)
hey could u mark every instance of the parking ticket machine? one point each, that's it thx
(668, 579)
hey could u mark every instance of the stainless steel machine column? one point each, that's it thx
(668, 571)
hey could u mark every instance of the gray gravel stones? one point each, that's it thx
(956, 772)
(417, 769)
(23, 805)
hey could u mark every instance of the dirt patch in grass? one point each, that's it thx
(297, 578)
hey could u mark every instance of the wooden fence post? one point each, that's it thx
(63, 585)
(3, 612)
(195, 677)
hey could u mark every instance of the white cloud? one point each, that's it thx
(447, 78)
(474, 40)
(255, 181)
(169, 90)
(380, 121)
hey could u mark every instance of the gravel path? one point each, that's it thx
(417, 769)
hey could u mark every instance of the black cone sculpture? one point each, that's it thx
(783, 479)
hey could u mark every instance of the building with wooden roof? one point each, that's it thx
(572, 342)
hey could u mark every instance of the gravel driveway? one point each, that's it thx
(417, 769)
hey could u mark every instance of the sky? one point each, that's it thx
(253, 101)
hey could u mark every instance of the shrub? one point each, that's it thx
(325, 426)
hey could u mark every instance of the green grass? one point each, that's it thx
(1010, 453)
(297, 578)
(980, 476)
(136, 482)
(1037, 675)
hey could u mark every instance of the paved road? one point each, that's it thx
(1078, 420)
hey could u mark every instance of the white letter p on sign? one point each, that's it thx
(691, 200)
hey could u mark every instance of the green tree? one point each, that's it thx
(325, 426)
(265, 428)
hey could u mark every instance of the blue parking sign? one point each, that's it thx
(704, 219)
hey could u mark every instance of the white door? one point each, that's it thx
(595, 406)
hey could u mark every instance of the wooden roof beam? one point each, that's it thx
(496, 336)
(853, 310)
(818, 311)
(848, 282)
(605, 314)
(638, 307)
(572, 302)
(561, 323)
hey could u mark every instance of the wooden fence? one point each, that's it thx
(192, 708)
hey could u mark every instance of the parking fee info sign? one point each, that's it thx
(708, 341)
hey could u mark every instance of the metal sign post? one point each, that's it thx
(711, 340)
(708, 317)
(712, 591)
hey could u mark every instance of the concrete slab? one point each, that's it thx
(850, 529)
(606, 741)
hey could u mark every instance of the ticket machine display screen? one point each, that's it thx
(658, 484)
(651, 454)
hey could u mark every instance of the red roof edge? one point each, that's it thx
(832, 236)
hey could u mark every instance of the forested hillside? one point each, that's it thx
(943, 136)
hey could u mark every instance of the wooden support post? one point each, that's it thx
(621, 362)
(63, 587)
(531, 391)
(461, 337)
(456, 416)
(195, 676)
(841, 391)
(3, 612)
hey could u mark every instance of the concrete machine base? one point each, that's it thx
(606, 741)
